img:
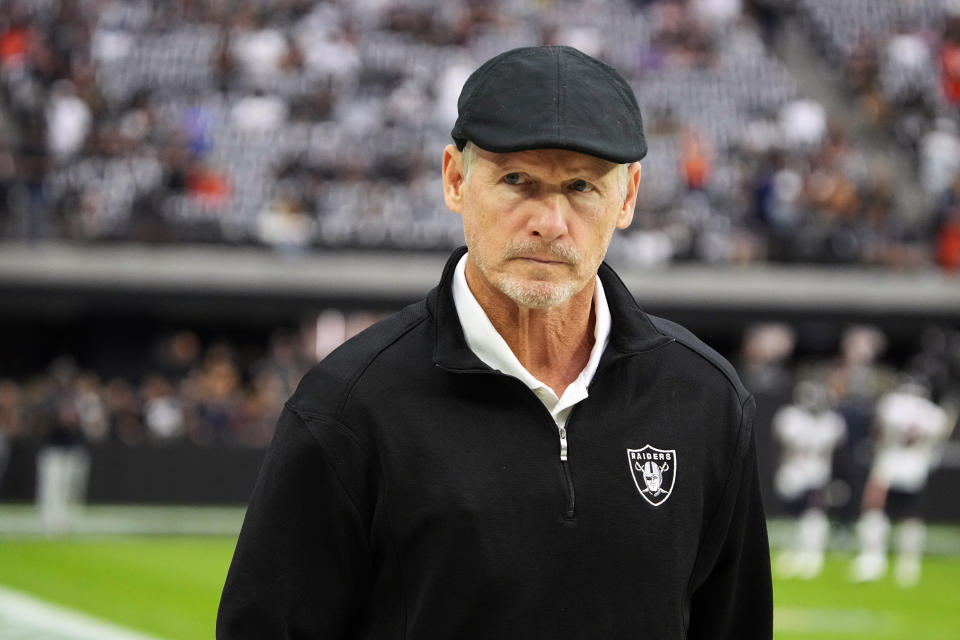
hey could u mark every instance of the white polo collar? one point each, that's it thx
(488, 345)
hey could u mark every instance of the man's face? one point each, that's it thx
(538, 223)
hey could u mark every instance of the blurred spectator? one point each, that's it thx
(8, 170)
(717, 14)
(91, 408)
(766, 351)
(284, 224)
(947, 223)
(328, 45)
(769, 15)
(938, 362)
(679, 40)
(208, 186)
(68, 121)
(197, 124)
(331, 331)
(218, 395)
(124, 410)
(906, 62)
(939, 158)
(31, 213)
(949, 59)
(803, 123)
(862, 68)
(177, 354)
(258, 47)
(162, 412)
(777, 194)
(11, 420)
(63, 462)
(696, 161)
(258, 112)
(16, 39)
(285, 362)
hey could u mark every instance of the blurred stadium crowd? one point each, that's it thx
(299, 125)
(217, 392)
(210, 393)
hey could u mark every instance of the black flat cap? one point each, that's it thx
(550, 98)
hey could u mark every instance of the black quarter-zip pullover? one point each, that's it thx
(411, 492)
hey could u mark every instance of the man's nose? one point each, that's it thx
(549, 219)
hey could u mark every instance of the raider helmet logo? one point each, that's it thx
(654, 471)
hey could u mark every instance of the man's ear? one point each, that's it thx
(454, 179)
(625, 216)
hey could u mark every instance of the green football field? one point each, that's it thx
(168, 586)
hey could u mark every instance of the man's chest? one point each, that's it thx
(487, 477)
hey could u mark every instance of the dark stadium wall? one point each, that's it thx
(179, 473)
(187, 474)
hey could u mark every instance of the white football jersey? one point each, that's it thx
(807, 440)
(910, 429)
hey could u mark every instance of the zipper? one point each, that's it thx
(569, 491)
(571, 496)
(568, 488)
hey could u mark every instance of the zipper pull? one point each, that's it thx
(563, 443)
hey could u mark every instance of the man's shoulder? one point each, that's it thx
(324, 388)
(711, 360)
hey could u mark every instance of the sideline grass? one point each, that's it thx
(832, 608)
(166, 586)
(169, 586)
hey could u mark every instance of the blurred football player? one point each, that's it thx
(909, 428)
(808, 432)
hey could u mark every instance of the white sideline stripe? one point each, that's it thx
(23, 616)
(839, 621)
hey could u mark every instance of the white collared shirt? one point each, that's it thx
(488, 345)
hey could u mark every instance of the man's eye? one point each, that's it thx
(581, 185)
(513, 178)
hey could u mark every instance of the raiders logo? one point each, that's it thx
(654, 471)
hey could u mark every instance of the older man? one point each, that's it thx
(473, 467)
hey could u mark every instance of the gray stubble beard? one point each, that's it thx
(536, 295)
(539, 295)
